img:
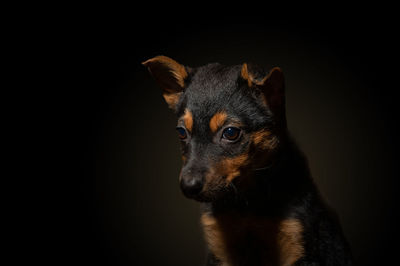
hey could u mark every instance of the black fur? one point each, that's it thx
(281, 187)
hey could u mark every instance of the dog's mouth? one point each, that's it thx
(203, 196)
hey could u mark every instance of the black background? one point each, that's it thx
(118, 200)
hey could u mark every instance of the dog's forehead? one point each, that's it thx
(211, 87)
(215, 89)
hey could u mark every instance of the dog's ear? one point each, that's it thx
(170, 76)
(272, 87)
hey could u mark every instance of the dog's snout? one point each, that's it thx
(191, 186)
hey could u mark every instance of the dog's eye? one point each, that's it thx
(181, 132)
(231, 133)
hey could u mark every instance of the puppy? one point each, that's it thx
(259, 203)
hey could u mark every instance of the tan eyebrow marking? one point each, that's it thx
(217, 120)
(188, 120)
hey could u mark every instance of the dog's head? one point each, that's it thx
(230, 122)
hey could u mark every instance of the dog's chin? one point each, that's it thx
(207, 197)
(200, 197)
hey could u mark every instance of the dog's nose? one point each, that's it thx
(191, 186)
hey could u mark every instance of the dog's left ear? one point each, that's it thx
(272, 87)
(170, 76)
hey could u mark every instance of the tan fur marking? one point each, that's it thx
(246, 75)
(214, 237)
(265, 139)
(177, 70)
(188, 120)
(290, 241)
(281, 240)
(217, 121)
(224, 172)
(273, 85)
(172, 99)
(271, 72)
(274, 79)
(231, 166)
(170, 76)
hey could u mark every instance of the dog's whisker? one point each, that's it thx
(262, 168)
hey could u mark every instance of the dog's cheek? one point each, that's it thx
(230, 168)
(224, 172)
(264, 140)
(212, 181)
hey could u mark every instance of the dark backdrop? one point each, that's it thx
(122, 204)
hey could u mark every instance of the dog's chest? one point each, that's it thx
(237, 240)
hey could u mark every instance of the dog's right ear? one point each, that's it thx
(170, 76)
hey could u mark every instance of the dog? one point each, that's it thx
(260, 205)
